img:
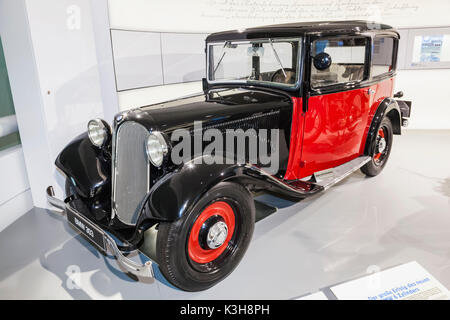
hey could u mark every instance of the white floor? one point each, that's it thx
(357, 226)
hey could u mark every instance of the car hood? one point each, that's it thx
(214, 107)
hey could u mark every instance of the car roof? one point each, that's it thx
(301, 28)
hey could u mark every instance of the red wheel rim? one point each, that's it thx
(195, 250)
(381, 135)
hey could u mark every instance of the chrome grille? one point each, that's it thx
(131, 171)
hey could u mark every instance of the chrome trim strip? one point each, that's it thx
(348, 168)
(138, 269)
(113, 170)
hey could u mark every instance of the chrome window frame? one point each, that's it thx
(257, 82)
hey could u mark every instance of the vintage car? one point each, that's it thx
(324, 88)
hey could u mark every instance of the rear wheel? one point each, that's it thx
(382, 149)
(205, 245)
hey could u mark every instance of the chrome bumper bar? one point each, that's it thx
(138, 269)
(53, 200)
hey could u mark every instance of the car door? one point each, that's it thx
(338, 105)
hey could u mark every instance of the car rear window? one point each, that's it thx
(382, 55)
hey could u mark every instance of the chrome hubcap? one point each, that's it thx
(381, 145)
(217, 235)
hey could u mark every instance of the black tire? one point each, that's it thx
(174, 247)
(379, 159)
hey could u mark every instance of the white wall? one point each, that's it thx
(64, 49)
(142, 97)
(54, 54)
(105, 63)
(15, 193)
(216, 15)
(427, 89)
(26, 95)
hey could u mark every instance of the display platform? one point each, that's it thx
(360, 224)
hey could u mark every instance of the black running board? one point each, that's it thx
(319, 181)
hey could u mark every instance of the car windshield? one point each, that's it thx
(273, 61)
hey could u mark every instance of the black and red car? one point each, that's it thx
(325, 87)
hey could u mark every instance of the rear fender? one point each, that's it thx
(388, 107)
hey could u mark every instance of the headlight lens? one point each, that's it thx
(156, 148)
(98, 132)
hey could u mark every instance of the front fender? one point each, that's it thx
(176, 194)
(86, 165)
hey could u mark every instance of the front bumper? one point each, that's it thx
(142, 270)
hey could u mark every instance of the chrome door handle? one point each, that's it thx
(370, 91)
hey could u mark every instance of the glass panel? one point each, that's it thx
(431, 49)
(274, 61)
(9, 141)
(347, 61)
(382, 55)
(8, 126)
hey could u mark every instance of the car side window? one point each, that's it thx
(382, 55)
(348, 57)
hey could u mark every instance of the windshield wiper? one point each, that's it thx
(221, 58)
(277, 57)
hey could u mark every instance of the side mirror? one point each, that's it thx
(322, 61)
(398, 94)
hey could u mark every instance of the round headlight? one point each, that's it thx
(157, 148)
(98, 132)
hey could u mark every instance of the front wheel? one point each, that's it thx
(382, 149)
(205, 245)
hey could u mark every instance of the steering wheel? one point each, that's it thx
(278, 76)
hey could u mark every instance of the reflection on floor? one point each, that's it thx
(358, 225)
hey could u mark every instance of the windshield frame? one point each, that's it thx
(279, 85)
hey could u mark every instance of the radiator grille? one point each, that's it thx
(131, 171)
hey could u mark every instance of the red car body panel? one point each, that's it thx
(334, 129)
